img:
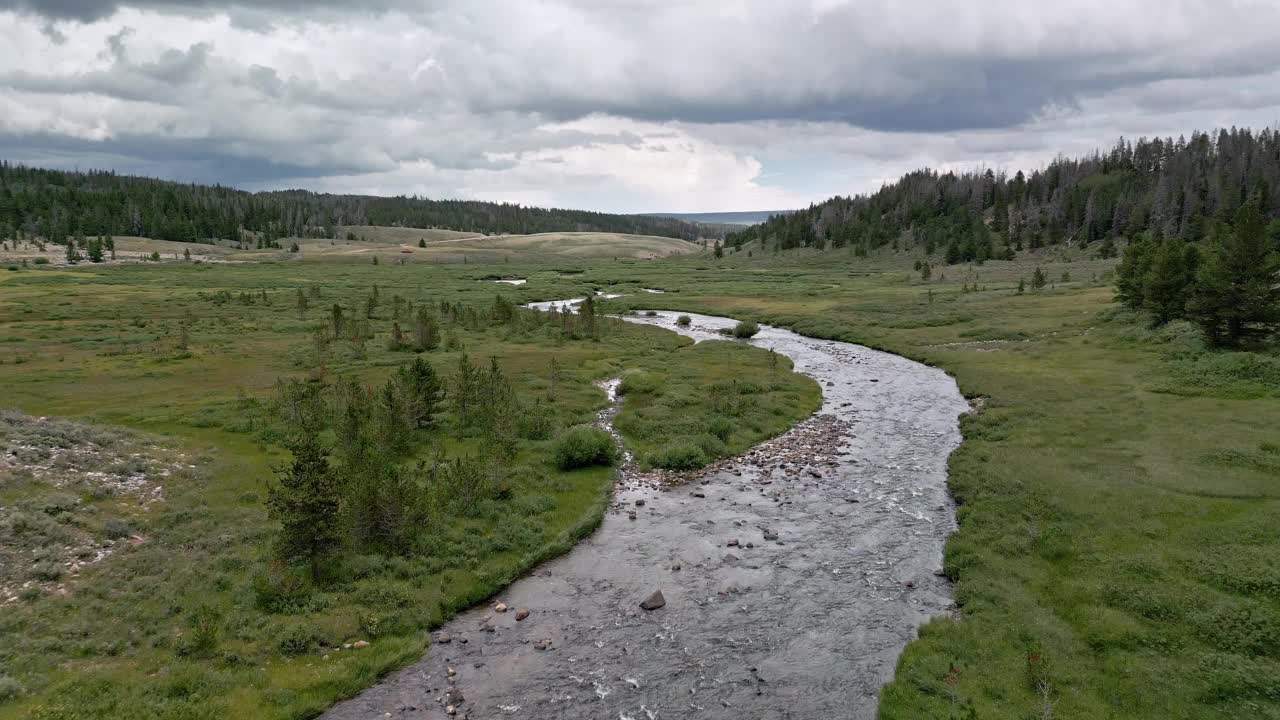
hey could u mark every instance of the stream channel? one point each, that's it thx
(793, 575)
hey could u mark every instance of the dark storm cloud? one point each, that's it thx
(91, 10)
(183, 160)
(646, 94)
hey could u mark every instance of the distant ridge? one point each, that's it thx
(58, 204)
(747, 217)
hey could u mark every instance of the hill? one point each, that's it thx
(56, 205)
(749, 217)
(1173, 188)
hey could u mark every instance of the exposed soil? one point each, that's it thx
(70, 491)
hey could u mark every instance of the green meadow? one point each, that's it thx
(1118, 487)
(192, 616)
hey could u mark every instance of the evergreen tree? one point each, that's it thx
(1236, 292)
(426, 332)
(424, 390)
(1038, 279)
(392, 418)
(1166, 284)
(336, 320)
(304, 500)
(1132, 273)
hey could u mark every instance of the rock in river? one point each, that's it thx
(654, 601)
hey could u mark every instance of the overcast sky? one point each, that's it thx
(618, 105)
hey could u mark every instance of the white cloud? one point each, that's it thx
(630, 105)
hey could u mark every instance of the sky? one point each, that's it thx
(616, 105)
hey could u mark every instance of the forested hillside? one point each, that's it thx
(1178, 187)
(55, 205)
(1198, 221)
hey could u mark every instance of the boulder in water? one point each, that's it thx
(654, 601)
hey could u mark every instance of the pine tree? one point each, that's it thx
(1236, 293)
(391, 416)
(336, 321)
(302, 304)
(1131, 275)
(426, 332)
(587, 314)
(1038, 279)
(424, 390)
(1166, 284)
(304, 500)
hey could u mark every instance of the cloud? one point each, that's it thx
(93, 10)
(625, 105)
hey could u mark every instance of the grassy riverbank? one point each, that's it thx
(1119, 491)
(190, 355)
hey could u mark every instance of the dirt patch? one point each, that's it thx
(71, 494)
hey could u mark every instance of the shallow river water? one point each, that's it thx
(805, 624)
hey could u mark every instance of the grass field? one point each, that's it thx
(189, 354)
(1119, 490)
(390, 245)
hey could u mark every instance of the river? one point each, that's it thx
(790, 591)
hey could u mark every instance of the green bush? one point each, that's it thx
(746, 329)
(683, 321)
(584, 447)
(202, 640)
(296, 639)
(280, 588)
(46, 570)
(721, 427)
(681, 456)
(9, 688)
(41, 261)
(115, 528)
(638, 381)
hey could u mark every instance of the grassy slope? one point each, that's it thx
(99, 343)
(1120, 491)
(389, 243)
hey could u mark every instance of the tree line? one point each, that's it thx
(1184, 188)
(1228, 284)
(56, 205)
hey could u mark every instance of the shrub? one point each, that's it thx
(584, 447)
(680, 456)
(721, 427)
(683, 321)
(638, 382)
(746, 329)
(9, 688)
(651, 313)
(115, 528)
(41, 261)
(296, 639)
(46, 570)
(280, 588)
(202, 641)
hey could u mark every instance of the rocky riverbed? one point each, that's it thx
(790, 577)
